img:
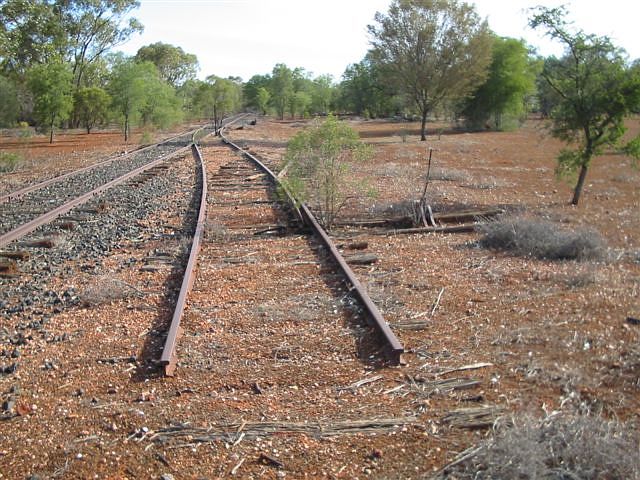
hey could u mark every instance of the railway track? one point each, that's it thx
(233, 178)
(267, 331)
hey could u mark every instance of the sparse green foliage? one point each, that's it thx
(434, 50)
(91, 105)
(504, 92)
(219, 97)
(595, 91)
(9, 162)
(128, 89)
(318, 163)
(50, 85)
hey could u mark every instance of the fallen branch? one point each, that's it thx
(262, 429)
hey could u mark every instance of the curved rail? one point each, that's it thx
(169, 358)
(393, 347)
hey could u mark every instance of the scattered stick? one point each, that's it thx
(435, 306)
(359, 383)
(473, 366)
(428, 388)
(234, 470)
(448, 229)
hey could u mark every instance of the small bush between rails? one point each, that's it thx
(529, 237)
(561, 447)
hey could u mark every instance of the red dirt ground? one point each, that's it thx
(538, 335)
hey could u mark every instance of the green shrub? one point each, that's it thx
(9, 162)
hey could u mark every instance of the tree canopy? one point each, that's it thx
(511, 79)
(434, 50)
(51, 87)
(595, 91)
(174, 64)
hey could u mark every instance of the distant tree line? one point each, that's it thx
(428, 58)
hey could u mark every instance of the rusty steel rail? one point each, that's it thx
(393, 347)
(37, 186)
(29, 227)
(169, 358)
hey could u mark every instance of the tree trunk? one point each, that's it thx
(579, 185)
(423, 128)
(51, 131)
(126, 128)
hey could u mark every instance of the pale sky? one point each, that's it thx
(247, 37)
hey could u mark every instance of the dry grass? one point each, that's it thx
(563, 447)
(106, 289)
(530, 237)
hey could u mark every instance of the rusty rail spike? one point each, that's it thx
(393, 347)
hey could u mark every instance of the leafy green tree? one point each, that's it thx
(596, 91)
(363, 91)
(161, 107)
(93, 27)
(504, 93)
(317, 160)
(251, 90)
(434, 50)
(91, 105)
(281, 88)
(9, 105)
(30, 35)
(174, 64)
(218, 97)
(262, 99)
(50, 84)
(299, 103)
(188, 95)
(128, 89)
(323, 91)
(78, 31)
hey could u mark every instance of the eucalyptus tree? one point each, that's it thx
(50, 84)
(79, 31)
(129, 90)
(91, 105)
(281, 88)
(433, 50)
(363, 91)
(9, 106)
(174, 64)
(595, 91)
(219, 97)
(505, 91)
